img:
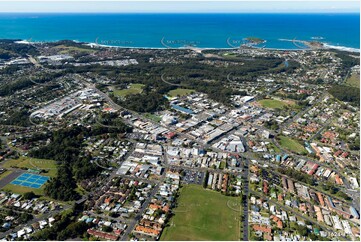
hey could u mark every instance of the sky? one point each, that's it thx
(148, 6)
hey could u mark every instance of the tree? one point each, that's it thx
(24, 217)
(29, 195)
(62, 187)
(205, 181)
(107, 229)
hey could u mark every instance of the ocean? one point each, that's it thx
(179, 30)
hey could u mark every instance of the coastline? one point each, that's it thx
(200, 49)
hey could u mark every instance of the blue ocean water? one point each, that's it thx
(177, 30)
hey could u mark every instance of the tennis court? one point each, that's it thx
(30, 180)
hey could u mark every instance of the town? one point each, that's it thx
(162, 144)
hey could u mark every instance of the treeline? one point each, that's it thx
(346, 94)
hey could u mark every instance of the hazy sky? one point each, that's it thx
(179, 6)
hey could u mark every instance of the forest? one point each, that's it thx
(346, 94)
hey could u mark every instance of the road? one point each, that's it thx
(243, 155)
(131, 226)
(328, 229)
(245, 205)
(300, 114)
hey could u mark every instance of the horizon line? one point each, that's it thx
(170, 12)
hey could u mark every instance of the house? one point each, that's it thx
(263, 229)
(103, 235)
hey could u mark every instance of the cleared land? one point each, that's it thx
(180, 92)
(204, 215)
(133, 89)
(291, 145)
(354, 80)
(271, 103)
(31, 163)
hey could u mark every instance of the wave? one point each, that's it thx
(339, 47)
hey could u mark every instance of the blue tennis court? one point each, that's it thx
(30, 180)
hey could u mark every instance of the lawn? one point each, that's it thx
(271, 103)
(291, 145)
(153, 117)
(21, 189)
(354, 80)
(179, 92)
(33, 163)
(204, 215)
(133, 89)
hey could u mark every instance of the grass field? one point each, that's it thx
(32, 163)
(22, 189)
(271, 103)
(180, 92)
(153, 117)
(71, 49)
(291, 145)
(133, 89)
(204, 215)
(354, 80)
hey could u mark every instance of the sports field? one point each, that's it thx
(204, 215)
(30, 180)
(180, 92)
(292, 145)
(133, 89)
(32, 163)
